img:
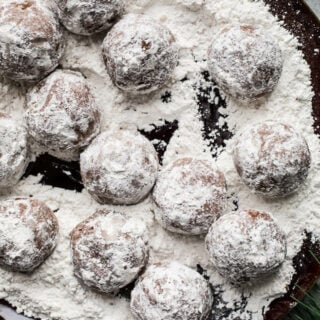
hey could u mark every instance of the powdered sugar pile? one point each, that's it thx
(194, 23)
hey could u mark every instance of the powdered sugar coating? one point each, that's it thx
(87, 17)
(13, 151)
(61, 114)
(109, 250)
(190, 195)
(31, 39)
(246, 245)
(119, 167)
(140, 54)
(291, 102)
(244, 61)
(169, 291)
(271, 158)
(28, 233)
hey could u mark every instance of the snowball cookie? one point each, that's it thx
(271, 158)
(61, 114)
(190, 194)
(109, 250)
(87, 17)
(31, 39)
(246, 245)
(140, 54)
(245, 62)
(28, 233)
(170, 291)
(119, 167)
(13, 151)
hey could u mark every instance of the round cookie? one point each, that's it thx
(140, 54)
(61, 114)
(171, 291)
(13, 151)
(245, 62)
(87, 17)
(119, 167)
(31, 39)
(246, 245)
(109, 250)
(190, 194)
(28, 233)
(271, 158)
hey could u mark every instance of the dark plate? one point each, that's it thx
(302, 23)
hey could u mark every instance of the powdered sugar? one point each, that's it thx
(109, 250)
(171, 291)
(28, 234)
(271, 158)
(13, 151)
(89, 17)
(31, 41)
(61, 114)
(140, 54)
(244, 61)
(189, 194)
(119, 167)
(194, 23)
(246, 245)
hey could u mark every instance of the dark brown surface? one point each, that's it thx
(307, 272)
(300, 21)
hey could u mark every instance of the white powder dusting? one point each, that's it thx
(52, 292)
(31, 40)
(246, 245)
(89, 17)
(277, 152)
(190, 195)
(244, 61)
(109, 250)
(64, 131)
(13, 151)
(119, 167)
(146, 51)
(163, 290)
